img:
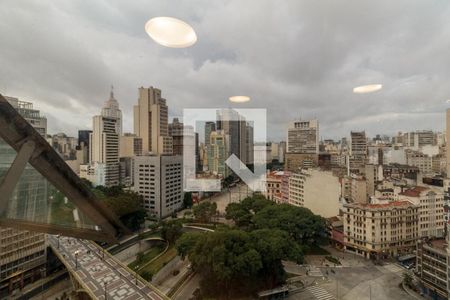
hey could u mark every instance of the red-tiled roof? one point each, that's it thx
(415, 192)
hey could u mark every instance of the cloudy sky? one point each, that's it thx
(297, 59)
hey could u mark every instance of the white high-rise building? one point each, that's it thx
(104, 145)
(159, 180)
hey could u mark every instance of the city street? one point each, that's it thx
(98, 272)
(356, 279)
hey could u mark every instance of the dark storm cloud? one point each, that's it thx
(295, 58)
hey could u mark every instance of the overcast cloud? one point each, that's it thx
(295, 58)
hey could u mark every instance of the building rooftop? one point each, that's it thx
(414, 192)
(388, 205)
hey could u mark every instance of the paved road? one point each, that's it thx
(95, 268)
(187, 290)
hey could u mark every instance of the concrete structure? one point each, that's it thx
(380, 230)
(218, 152)
(296, 161)
(159, 179)
(303, 137)
(433, 267)
(316, 190)
(23, 254)
(358, 151)
(96, 274)
(151, 122)
(130, 145)
(420, 160)
(430, 202)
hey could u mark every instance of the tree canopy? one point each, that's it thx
(171, 230)
(125, 204)
(205, 211)
(226, 258)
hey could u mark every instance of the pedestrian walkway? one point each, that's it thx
(320, 293)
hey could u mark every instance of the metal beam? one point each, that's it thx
(13, 174)
(15, 131)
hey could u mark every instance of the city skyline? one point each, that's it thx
(109, 46)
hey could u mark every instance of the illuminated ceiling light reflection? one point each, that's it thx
(364, 89)
(239, 99)
(171, 32)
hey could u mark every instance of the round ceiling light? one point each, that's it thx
(171, 32)
(364, 89)
(239, 99)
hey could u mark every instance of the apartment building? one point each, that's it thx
(380, 230)
(430, 202)
(316, 190)
(433, 267)
(273, 186)
(358, 152)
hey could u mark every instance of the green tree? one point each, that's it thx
(235, 211)
(205, 211)
(407, 279)
(229, 257)
(171, 230)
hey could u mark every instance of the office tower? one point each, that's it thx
(151, 122)
(176, 130)
(111, 110)
(130, 145)
(159, 180)
(417, 139)
(103, 166)
(235, 126)
(379, 231)
(358, 151)
(104, 149)
(218, 153)
(302, 145)
(23, 253)
(209, 127)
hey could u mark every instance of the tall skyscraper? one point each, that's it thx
(235, 126)
(218, 152)
(358, 151)
(104, 150)
(111, 110)
(23, 253)
(151, 122)
(176, 129)
(104, 146)
(209, 127)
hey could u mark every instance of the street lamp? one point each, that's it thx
(76, 259)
